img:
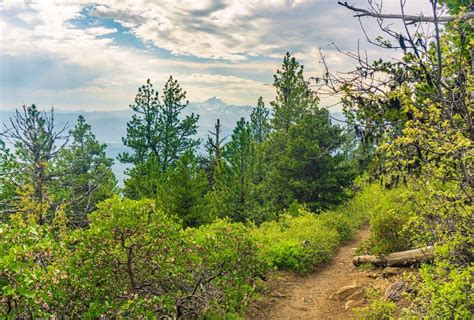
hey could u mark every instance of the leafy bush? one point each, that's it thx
(445, 292)
(296, 243)
(225, 264)
(344, 225)
(377, 310)
(387, 232)
(388, 213)
(442, 217)
(134, 261)
(29, 260)
(32, 260)
(418, 215)
(128, 261)
(301, 240)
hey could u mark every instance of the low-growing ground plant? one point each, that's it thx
(301, 240)
(444, 291)
(377, 310)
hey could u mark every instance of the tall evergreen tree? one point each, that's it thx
(233, 194)
(182, 191)
(157, 135)
(294, 97)
(142, 132)
(213, 147)
(304, 158)
(261, 128)
(87, 177)
(37, 145)
(177, 134)
(8, 181)
(260, 121)
(307, 164)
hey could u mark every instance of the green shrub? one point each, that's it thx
(136, 262)
(296, 243)
(446, 292)
(127, 263)
(344, 225)
(430, 214)
(387, 232)
(30, 266)
(301, 240)
(377, 310)
(388, 214)
(225, 264)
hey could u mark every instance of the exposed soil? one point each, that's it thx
(311, 297)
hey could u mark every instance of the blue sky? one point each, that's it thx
(93, 55)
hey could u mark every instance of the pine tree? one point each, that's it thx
(182, 192)
(303, 156)
(294, 97)
(9, 180)
(142, 132)
(177, 134)
(37, 145)
(261, 128)
(233, 195)
(307, 164)
(87, 177)
(260, 121)
(157, 135)
(213, 147)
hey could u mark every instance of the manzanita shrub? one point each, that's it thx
(134, 261)
(225, 266)
(126, 264)
(31, 267)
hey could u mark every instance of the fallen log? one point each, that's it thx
(397, 259)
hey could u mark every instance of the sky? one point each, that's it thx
(93, 55)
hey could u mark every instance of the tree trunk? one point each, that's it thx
(397, 259)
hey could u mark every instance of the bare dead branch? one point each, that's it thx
(413, 19)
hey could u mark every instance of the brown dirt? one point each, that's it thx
(294, 297)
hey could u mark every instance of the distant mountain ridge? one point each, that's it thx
(110, 126)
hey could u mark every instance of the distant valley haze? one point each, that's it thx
(110, 126)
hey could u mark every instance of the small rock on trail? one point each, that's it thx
(345, 293)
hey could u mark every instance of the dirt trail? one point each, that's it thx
(309, 297)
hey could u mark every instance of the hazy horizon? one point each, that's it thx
(110, 132)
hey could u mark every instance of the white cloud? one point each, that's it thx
(100, 31)
(224, 48)
(233, 30)
(9, 4)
